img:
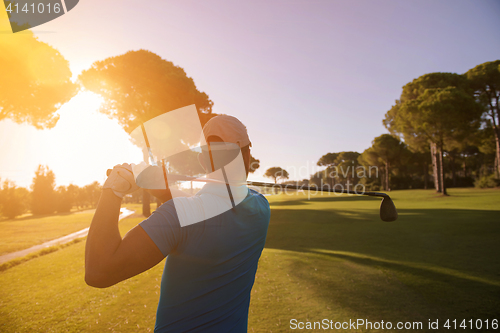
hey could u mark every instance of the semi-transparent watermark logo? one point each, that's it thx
(26, 14)
(175, 150)
(351, 179)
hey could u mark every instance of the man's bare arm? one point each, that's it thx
(110, 259)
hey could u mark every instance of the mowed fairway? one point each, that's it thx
(325, 257)
(333, 258)
(19, 234)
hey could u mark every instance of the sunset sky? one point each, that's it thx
(306, 77)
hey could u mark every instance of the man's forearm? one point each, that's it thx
(104, 236)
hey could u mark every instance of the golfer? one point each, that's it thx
(210, 267)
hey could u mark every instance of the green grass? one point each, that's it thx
(19, 234)
(48, 294)
(35, 254)
(328, 257)
(439, 260)
(22, 233)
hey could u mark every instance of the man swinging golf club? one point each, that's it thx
(211, 264)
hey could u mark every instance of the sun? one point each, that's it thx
(85, 142)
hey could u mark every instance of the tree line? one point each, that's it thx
(443, 124)
(43, 197)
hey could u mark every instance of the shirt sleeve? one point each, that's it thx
(163, 228)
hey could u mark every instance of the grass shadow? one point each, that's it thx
(303, 200)
(448, 256)
(31, 217)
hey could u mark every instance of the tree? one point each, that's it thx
(328, 160)
(398, 125)
(389, 149)
(72, 193)
(418, 145)
(254, 164)
(92, 193)
(138, 86)
(422, 160)
(13, 200)
(369, 159)
(276, 173)
(64, 200)
(34, 81)
(347, 163)
(485, 80)
(442, 116)
(81, 198)
(43, 194)
(316, 179)
(438, 108)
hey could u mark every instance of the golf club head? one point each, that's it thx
(388, 212)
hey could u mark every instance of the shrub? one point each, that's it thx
(487, 181)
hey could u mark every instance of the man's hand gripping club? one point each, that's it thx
(121, 180)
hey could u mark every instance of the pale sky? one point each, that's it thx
(306, 77)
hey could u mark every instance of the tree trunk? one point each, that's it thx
(387, 188)
(146, 208)
(497, 166)
(146, 197)
(441, 171)
(453, 173)
(382, 183)
(497, 140)
(426, 175)
(332, 179)
(435, 167)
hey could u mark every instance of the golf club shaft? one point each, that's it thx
(388, 212)
(308, 188)
(281, 186)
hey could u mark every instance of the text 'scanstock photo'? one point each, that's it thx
(263, 166)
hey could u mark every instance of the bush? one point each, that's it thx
(487, 182)
(43, 195)
(13, 200)
(460, 182)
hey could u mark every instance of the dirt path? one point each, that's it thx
(124, 212)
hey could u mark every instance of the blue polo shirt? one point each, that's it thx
(210, 266)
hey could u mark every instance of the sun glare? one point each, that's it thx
(77, 149)
(84, 143)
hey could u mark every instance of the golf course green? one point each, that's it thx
(326, 257)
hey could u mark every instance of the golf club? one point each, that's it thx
(388, 212)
